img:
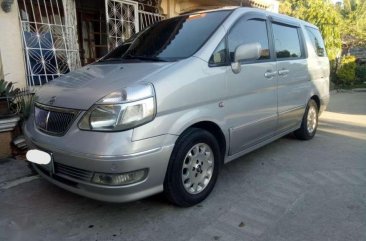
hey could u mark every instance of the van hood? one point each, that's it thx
(80, 89)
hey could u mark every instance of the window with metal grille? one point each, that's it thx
(48, 41)
(125, 18)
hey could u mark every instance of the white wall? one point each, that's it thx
(11, 47)
(168, 7)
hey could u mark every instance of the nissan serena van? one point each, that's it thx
(166, 109)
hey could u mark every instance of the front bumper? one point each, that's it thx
(156, 162)
(72, 170)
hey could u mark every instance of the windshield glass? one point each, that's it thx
(171, 39)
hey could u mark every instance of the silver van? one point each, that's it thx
(167, 108)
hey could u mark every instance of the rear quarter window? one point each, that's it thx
(316, 41)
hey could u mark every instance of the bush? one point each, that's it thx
(361, 73)
(346, 73)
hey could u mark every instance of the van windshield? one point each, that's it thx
(169, 40)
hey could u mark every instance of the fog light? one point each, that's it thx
(119, 179)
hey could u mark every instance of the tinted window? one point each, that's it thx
(287, 42)
(317, 41)
(171, 39)
(219, 55)
(246, 32)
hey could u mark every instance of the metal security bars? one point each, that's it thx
(122, 21)
(147, 18)
(47, 40)
(125, 18)
(49, 32)
(149, 13)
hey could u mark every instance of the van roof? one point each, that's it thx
(247, 9)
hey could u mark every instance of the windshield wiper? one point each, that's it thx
(151, 58)
(110, 59)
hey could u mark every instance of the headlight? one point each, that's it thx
(121, 110)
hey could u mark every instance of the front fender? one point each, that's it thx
(176, 122)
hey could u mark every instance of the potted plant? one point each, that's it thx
(24, 101)
(7, 95)
(8, 116)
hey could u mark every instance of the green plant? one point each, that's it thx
(346, 73)
(7, 96)
(7, 89)
(321, 13)
(361, 73)
(354, 23)
(334, 65)
(24, 100)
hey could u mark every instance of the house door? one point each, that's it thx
(92, 32)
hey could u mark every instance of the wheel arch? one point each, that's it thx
(216, 131)
(317, 100)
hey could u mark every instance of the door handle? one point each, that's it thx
(270, 74)
(283, 72)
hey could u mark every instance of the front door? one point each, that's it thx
(252, 93)
(92, 33)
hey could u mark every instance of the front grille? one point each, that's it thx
(58, 178)
(76, 173)
(52, 120)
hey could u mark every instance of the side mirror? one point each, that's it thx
(250, 51)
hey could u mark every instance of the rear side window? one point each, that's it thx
(287, 41)
(317, 41)
(247, 32)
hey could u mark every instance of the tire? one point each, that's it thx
(309, 122)
(192, 146)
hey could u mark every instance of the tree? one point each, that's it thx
(354, 23)
(321, 13)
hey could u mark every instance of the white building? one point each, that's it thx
(43, 39)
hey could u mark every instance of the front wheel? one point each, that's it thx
(309, 122)
(193, 168)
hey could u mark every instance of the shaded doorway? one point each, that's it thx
(92, 33)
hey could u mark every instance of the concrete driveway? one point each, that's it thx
(289, 190)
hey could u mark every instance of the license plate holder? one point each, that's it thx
(38, 157)
(50, 167)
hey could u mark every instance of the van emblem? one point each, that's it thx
(52, 100)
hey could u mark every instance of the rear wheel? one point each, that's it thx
(309, 122)
(193, 168)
